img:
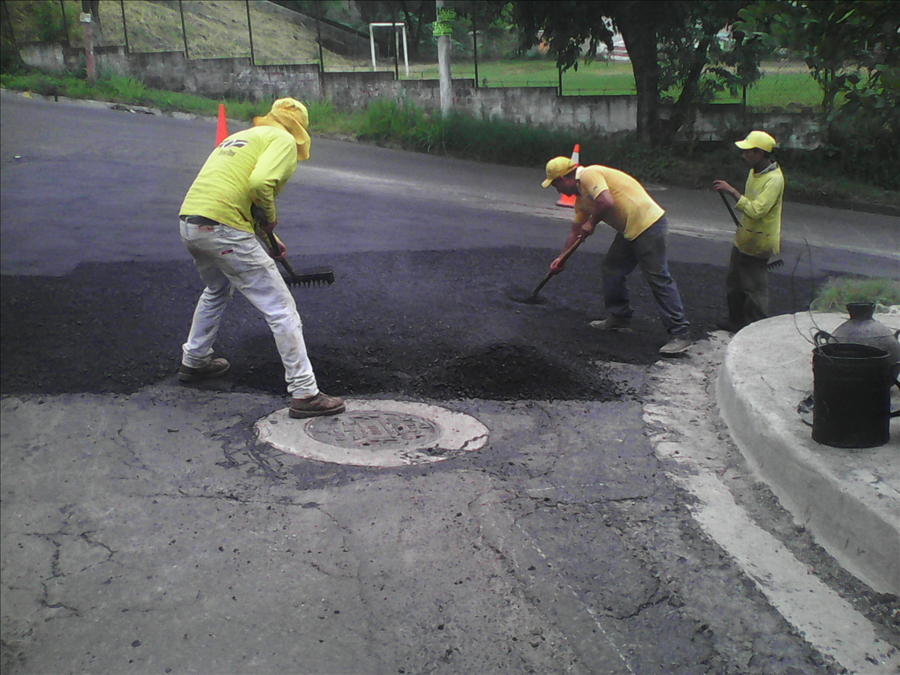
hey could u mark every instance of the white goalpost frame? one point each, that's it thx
(397, 39)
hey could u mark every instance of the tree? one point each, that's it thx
(10, 59)
(700, 56)
(683, 30)
(852, 49)
(847, 44)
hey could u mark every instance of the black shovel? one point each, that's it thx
(533, 298)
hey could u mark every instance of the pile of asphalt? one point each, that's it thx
(434, 325)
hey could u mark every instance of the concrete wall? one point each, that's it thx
(537, 106)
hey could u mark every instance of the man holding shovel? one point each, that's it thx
(614, 197)
(758, 236)
(246, 172)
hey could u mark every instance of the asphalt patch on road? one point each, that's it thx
(423, 325)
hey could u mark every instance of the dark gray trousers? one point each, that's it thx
(747, 288)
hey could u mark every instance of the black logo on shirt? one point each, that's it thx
(228, 147)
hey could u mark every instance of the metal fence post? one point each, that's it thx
(319, 34)
(183, 31)
(62, 9)
(124, 25)
(475, 41)
(396, 41)
(250, 31)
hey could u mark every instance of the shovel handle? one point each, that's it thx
(568, 252)
(562, 258)
(737, 223)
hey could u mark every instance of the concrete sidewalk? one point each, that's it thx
(848, 498)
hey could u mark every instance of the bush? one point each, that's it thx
(839, 291)
(403, 124)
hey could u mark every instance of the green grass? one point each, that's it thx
(839, 291)
(779, 87)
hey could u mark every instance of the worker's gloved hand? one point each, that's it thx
(281, 253)
(259, 217)
(557, 265)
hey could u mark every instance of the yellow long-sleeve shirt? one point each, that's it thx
(760, 231)
(249, 167)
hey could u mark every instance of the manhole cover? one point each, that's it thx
(376, 433)
(374, 430)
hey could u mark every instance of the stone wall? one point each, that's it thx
(537, 106)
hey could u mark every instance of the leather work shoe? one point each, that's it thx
(613, 322)
(316, 406)
(677, 345)
(215, 368)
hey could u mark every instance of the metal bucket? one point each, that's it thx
(852, 395)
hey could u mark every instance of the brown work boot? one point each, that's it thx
(316, 406)
(215, 368)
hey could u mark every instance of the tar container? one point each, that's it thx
(852, 395)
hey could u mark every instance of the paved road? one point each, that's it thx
(145, 529)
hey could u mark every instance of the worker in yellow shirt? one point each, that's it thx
(759, 236)
(619, 200)
(246, 172)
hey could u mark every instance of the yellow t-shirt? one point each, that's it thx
(633, 209)
(251, 166)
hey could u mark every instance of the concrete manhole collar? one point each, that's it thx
(376, 433)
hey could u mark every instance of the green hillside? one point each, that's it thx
(213, 28)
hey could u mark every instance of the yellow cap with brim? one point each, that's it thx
(556, 167)
(292, 116)
(757, 139)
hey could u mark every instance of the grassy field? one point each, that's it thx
(217, 29)
(782, 85)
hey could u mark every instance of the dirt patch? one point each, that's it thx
(515, 372)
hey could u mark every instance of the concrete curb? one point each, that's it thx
(848, 499)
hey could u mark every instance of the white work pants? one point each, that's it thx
(227, 259)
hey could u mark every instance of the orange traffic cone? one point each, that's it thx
(569, 200)
(222, 129)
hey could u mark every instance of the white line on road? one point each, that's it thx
(686, 435)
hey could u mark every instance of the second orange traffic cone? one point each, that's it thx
(222, 129)
(569, 200)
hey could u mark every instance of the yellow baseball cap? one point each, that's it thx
(556, 167)
(757, 139)
(292, 116)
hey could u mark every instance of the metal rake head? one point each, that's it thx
(317, 277)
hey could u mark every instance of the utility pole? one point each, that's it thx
(85, 18)
(443, 27)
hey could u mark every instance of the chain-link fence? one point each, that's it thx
(484, 51)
